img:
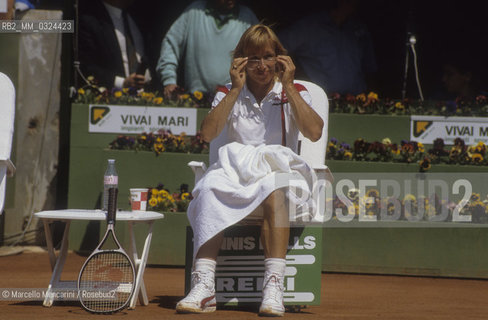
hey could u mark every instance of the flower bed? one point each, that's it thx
(161, 199)
(409, 152)
(371, 104)
(360, 104)
(408, 208)
(92, 94)
(162, 141)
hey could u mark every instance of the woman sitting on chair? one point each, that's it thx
(263, 111)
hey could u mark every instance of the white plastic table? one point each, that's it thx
(57, 262)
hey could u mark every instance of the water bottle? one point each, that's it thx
(110, 180)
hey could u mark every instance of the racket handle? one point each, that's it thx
(112, 205)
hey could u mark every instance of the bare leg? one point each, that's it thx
(275, 230)
(210, 249)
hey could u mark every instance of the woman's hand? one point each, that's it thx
(286, 70)
(307, 120)
(237, 73)
(214, 121)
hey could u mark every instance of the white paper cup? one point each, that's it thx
(138, 199)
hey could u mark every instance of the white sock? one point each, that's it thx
(275, 265)
(205, 265)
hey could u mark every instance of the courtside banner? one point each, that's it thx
(137, 119)
(426, 129)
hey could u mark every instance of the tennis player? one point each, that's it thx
(264, 111)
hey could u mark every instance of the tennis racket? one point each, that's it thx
(106, 280)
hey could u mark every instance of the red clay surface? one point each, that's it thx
(344, 296)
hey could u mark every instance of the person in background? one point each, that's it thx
(460, 80)
(333, 49)
(264, 110)
(200, 42)
(23, 5)
(111, 46)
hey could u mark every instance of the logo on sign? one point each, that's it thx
(420, 127)
(98, 113)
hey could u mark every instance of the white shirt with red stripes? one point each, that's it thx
(255, 123)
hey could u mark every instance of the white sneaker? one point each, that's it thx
(273, 288)
(201, 298)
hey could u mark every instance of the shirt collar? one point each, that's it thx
(246, 93)
(277, 88)
(274, 94)
(221, 19)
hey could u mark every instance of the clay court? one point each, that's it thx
(344, 296)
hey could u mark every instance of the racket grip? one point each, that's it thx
(112, 205)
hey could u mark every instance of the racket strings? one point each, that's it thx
(106, 282)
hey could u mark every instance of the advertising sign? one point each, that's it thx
(136, 119)
(426, 129)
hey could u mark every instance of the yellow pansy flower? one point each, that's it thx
(373, 96)
(153, 202)
(475, 197)
(374, 193)
(184, 195)
(420, 146)
(163, 193)
(477, 158)
(198, 95)
(159, 147)
(399, 105)
(361, 97)
(409, 197)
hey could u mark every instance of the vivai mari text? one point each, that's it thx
(465, 131)
(130, 119)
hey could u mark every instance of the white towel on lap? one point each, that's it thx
(240, 180)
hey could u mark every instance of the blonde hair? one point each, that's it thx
(255, 37)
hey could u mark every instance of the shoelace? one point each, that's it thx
(274, 284)
(201, 283)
